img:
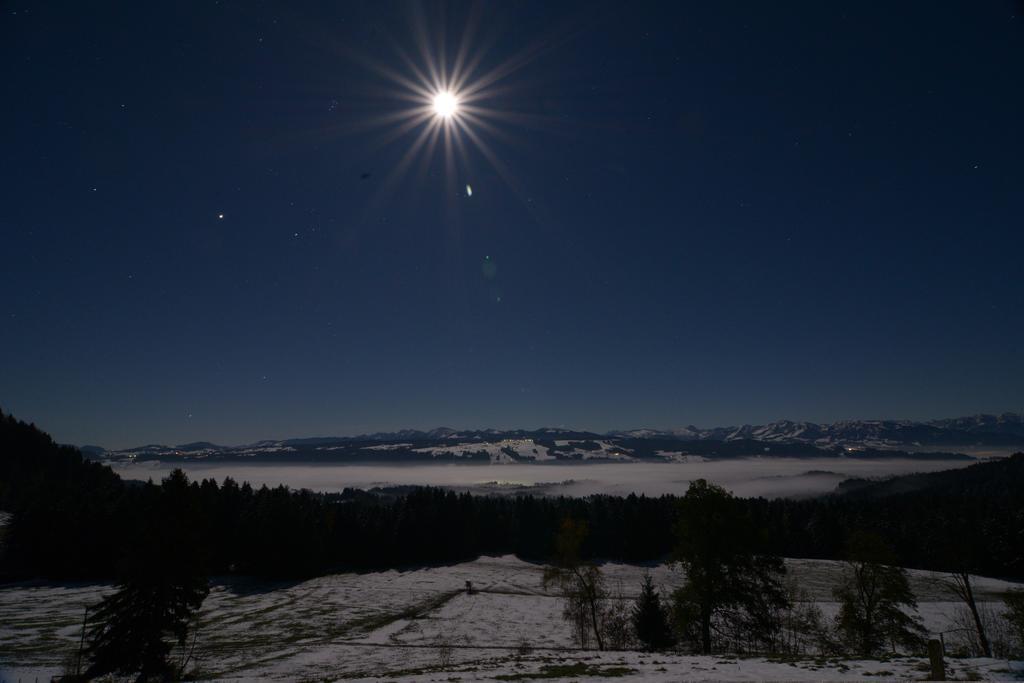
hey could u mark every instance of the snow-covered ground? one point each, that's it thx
(423, 625)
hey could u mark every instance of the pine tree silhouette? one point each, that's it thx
(650, 620)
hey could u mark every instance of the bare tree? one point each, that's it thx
(802, 622)
(960, 583)
(581, 584)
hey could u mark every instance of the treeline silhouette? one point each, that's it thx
(76, 519)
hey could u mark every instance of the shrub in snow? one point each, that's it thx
(1015, 617)
(964, 642)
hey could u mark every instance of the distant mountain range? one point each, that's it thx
(849, 438)
(976, 430)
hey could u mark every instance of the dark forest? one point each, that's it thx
(76, 519)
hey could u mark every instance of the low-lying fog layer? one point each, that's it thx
(769, 477)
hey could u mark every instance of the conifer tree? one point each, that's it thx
(162, 586)
(130, 628)
(650, 620)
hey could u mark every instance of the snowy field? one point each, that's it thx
(422, 625)
(771, 477)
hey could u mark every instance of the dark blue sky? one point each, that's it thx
(713, 213)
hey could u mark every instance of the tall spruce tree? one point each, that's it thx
(132, 630)
(650, 619)
(161, 588)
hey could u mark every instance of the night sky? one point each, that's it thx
(713, 213)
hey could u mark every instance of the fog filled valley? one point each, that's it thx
(774, 476)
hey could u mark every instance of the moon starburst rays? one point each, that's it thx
(445, 102)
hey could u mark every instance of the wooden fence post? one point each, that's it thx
(938, 664)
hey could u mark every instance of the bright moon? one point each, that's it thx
(445, 104)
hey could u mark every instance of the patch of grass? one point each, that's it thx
(372, 622)
(400, 674)
(405, 672)
(569, 671)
